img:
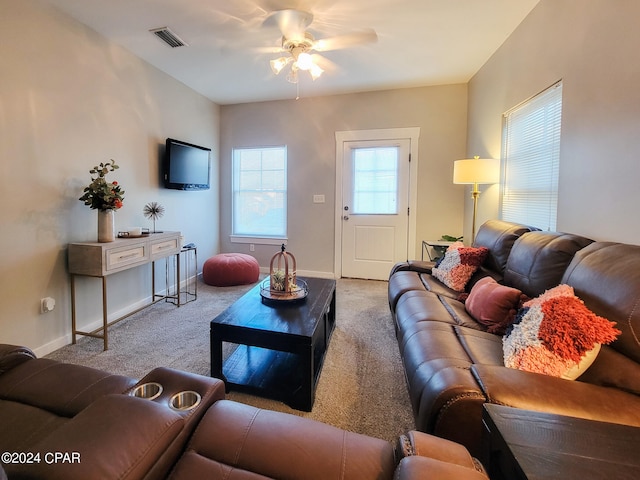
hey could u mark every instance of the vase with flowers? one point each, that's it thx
(104, 196)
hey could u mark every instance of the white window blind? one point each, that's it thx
(260, 192)
(531, 157)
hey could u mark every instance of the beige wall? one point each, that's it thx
(307, 126)
(69, 100)
(592, 45)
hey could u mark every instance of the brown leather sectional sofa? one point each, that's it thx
(63, 421)
(453, 366)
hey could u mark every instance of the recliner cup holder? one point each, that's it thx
(148, 391)
(185, 401)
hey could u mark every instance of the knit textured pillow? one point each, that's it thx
(556, 334)
(458, 265)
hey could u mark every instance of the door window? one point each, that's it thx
(375, 181)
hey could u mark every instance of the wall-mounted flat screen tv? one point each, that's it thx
(186, 166)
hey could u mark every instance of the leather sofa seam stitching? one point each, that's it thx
(245, 436)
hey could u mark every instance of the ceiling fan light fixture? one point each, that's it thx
(292, 76)
(315, 72)
(305, 62)
(279, 63)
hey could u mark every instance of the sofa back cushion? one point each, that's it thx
(539, 259)
(606, 276)
(498, 236)
(62, 389)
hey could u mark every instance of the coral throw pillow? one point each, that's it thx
(494, 305)
(556, 334)
(458, 265)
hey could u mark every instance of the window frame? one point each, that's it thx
(531, 141)
(257, 236)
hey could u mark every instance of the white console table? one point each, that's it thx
(100, 260)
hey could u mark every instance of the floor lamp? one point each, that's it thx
(475, 171)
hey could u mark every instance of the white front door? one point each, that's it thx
(375, 207)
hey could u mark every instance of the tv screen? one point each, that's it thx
(186, 166)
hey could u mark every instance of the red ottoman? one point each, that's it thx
(226, 269)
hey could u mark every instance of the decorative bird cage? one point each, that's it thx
(282, 284)
(282, 272)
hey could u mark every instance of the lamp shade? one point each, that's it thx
(476, 170)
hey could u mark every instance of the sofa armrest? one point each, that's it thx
(534, 391)
(116, 437)
(13, 355)
(419, 266)
(424, 468)
(173, 383)
(449, 458)
(425, 445)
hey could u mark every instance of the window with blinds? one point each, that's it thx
(260, 192)
(530, 160)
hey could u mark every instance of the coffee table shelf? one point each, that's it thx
(255, 369)
(280, 349)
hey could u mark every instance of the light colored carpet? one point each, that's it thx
(361, 387)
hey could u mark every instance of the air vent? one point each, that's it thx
(168, 37)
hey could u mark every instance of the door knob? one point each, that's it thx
(346, 217)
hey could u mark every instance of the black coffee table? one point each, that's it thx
(281, 345)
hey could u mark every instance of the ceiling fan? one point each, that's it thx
(297, 43)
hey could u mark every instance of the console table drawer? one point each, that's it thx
(127, 257)
(100, 259)
(165, 248)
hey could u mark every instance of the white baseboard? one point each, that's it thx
(66, 339)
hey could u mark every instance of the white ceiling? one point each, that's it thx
(420, 42)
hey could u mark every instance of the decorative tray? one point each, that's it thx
(145, 233)
(300, 293)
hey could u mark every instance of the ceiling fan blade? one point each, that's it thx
(345, 41)
(324, 63)
(274, 49)
(292, 23)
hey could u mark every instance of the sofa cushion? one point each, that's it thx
(23, 424)
(481, 347)
(116, 437)
(606, 276)
(458, 265)
(60, 388)
(234, 437)
(499, 236)
(553, 333)
(493, 305)
(539, 259)
(612, 369)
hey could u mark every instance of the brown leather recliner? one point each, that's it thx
(99, 430)
(236, 441)
(49, 408)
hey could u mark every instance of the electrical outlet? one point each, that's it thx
(318, 199)
(252, 247)
(47, 304)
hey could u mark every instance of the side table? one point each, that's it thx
(185, 289)
(523, 444)
(439, 246)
